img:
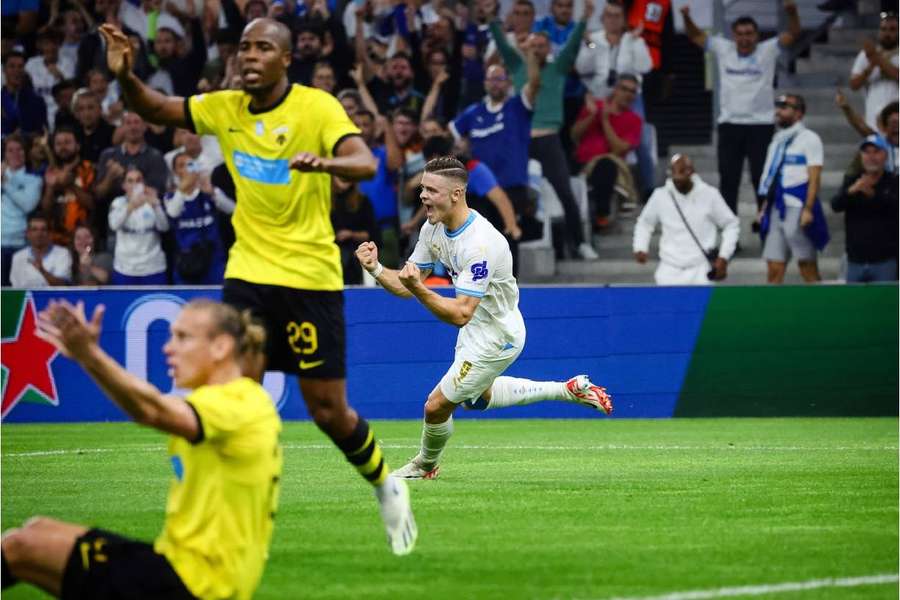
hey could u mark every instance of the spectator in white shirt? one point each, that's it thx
(21, 194)
(610, 51)
(746, 70)
(691, 214)
(792, 221)
(137, 218)
(40, 263)
(49, 68)
(875, 69)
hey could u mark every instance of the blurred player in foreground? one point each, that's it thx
(225, 456)
(282, 143)
(492, 331)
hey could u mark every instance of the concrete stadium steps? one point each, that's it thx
(625, 271)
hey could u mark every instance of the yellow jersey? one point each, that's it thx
(223, 498)
(282, 221)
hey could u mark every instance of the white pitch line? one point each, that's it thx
(538, 448)
(772, 588)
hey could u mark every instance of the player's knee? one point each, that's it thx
(437, 411)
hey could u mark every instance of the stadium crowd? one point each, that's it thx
(94, 195)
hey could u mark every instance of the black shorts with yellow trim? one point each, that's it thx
(106, 566)
(305, 330)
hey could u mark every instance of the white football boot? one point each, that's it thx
(396, 512)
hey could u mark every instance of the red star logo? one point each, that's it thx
(27, 360)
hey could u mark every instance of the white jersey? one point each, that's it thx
(478, 259)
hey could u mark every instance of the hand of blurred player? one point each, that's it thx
(409, 276)
(307, 162)
(641, 257)
(66, 327)
(686, 11)
(367, 255)
(118, 50)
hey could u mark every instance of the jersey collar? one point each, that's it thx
(273, 106)
(453, 234)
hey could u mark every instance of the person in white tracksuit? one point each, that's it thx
(681, 259)
(486, 309)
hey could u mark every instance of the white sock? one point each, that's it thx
(434, 438)
(513, 391)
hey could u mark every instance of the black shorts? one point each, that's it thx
(304, 328)
(104, 566)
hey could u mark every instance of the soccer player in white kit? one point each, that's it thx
(486, 309)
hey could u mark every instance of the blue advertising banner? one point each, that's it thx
(635, 341)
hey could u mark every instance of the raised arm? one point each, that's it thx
(533, 85)
(569, 51)
(66, 327)
(511, 56)
(694, 33)
(855, 119)
(787, 38)
(142, 99)
(367, 255)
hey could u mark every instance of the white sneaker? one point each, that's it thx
(415, 470)
(396, 512)
(585, 392)
(587, 252)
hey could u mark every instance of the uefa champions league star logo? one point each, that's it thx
(479, 270)
(26, 373)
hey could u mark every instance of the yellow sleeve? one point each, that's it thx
(336, 124)
(219, 414)
(205, 112)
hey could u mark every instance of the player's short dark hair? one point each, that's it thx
(437, 146)
(744, 20)
(448, 166)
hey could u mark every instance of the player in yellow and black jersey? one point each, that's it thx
(226, 461)
(282, 143)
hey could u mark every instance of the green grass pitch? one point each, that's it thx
(540, 509)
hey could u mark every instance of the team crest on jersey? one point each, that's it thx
(479, 270)
(281, 132)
